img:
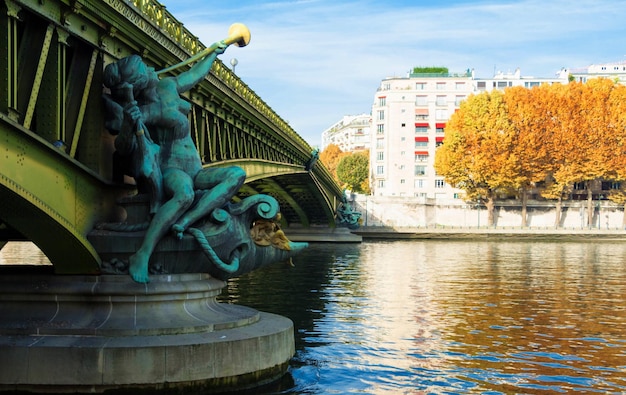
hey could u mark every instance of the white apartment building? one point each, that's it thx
(350, 134)
(409, 116)
(615, 70)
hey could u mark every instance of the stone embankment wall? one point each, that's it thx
(421, 212)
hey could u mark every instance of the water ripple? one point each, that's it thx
(421, 317)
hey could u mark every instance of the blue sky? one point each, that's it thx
(314, 61)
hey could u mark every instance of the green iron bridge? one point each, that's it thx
(56, 177)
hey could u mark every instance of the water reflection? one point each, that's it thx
(22, 253)
(441, 316)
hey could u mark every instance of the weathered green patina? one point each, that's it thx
(153, 139)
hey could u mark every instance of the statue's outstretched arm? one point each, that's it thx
(188, 79)
(238, 34)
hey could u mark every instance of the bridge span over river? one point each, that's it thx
(56, 177)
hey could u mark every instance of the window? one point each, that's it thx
(420, 86)
(403, 124)
(381, 115)
(401, 167)
(421, 100)
(418, 183)
(459, 86)
(421, 129)
(579, 186)
(380, 170)
(402, 181)
(420, 170)
(481, 85)
(458, 100)
(380, 128)
(441, 86)
(382, 101)
(441, 114)
(380, 155)
(386, 86)
(421, 144)
(441, 101)
(439, 130)
(380, 143)
(381, 183)
(402, 138)
(421, 158)
(421, 114)
(440, 184)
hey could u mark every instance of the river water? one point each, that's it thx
(422, 317)
(445, 317)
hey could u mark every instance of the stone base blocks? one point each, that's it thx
(91, 334)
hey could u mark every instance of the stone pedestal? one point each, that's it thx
(90, 334)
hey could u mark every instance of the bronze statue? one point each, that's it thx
(151, 122)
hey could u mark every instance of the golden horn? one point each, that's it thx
(238, 34)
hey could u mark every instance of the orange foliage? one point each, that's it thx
(509, 141)
(330, 157)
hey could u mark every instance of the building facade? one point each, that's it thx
(409, 117)
(615, 71)
(350, 134)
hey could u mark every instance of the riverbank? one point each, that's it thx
(492, 233)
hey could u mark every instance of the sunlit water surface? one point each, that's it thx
(421, 317)
(418, 317)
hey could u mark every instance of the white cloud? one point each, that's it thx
(317, 60)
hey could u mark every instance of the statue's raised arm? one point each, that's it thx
(238, 34)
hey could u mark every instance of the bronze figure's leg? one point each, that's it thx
(179, 187)
(221, 184)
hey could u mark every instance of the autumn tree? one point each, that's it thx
(475, 155)
(616, 107)
(551, 102)
(563, 134)
(330, 157)
(583, 136)
(530, 154)
(353, 171)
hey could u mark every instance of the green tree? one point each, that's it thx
(353, 171)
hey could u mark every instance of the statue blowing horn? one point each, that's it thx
(238, 34)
